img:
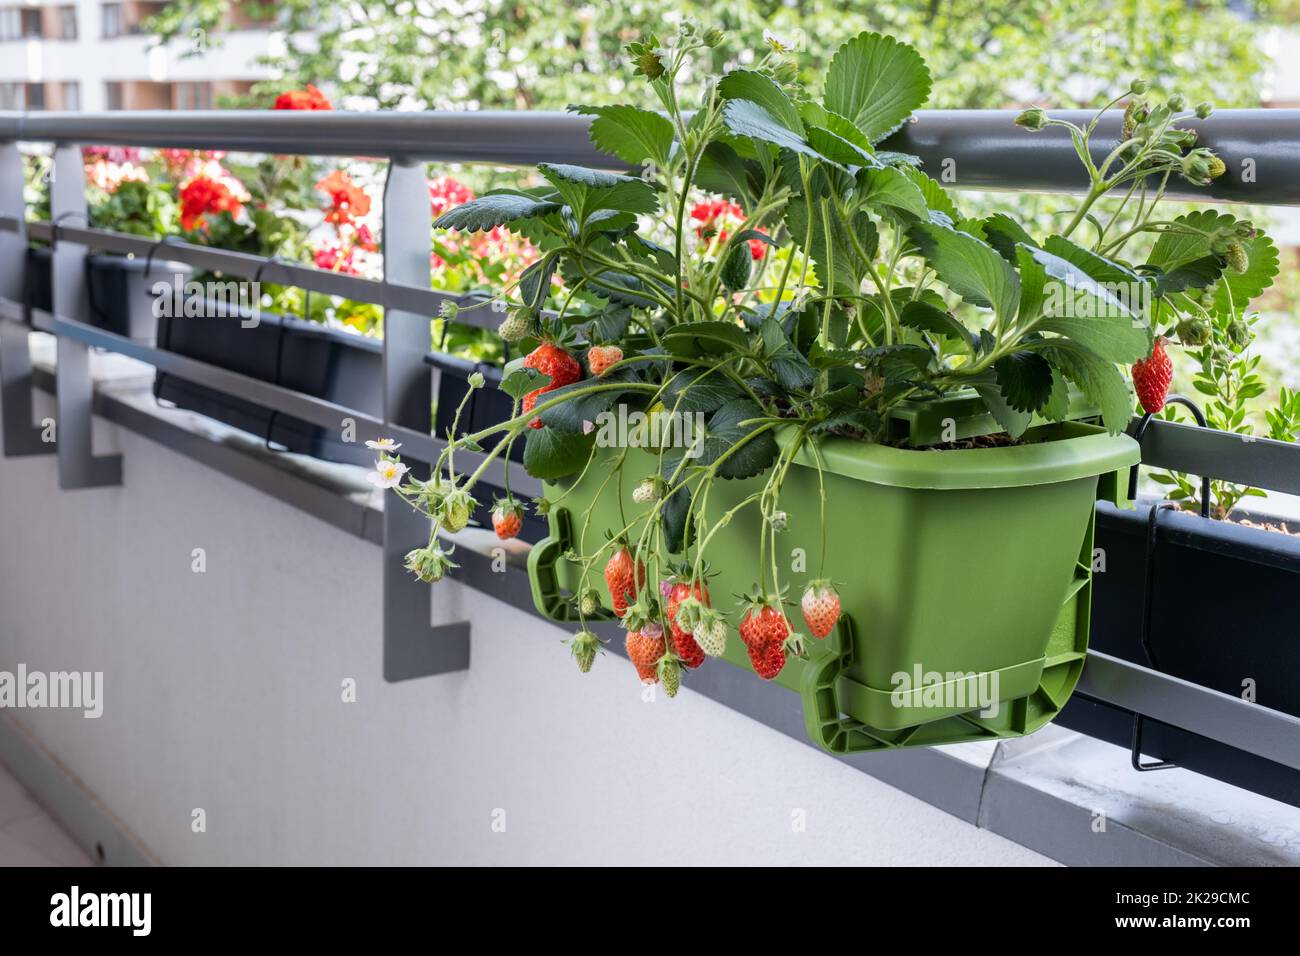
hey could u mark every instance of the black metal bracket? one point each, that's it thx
(1149, 583)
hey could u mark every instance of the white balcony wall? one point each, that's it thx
(223, 692)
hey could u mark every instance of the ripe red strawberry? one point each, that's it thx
(551, 360)
(507, 519)
(644, 648)
(619, 578)
(821, 608)
(1151, 378)
(688, 649)
(763, 623)
(767, 659)
(601, 357)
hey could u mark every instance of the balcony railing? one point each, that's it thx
(967, 150)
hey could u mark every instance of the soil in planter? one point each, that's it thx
(999, 440)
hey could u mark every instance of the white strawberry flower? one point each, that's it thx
(384, 444)
(387, 473)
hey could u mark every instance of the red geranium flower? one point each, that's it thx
(347, 199)
(335, 259)
(713, 216)
(201, 196)
(446, 192)
(308, 99)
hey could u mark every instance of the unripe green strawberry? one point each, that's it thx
(584, 645)
(456, 509)
(1193, 332)
(670, 674)
(650, 489)
(1235, 254)
(515, 326)
(710, 632)
(589, 602)
(1239, 333)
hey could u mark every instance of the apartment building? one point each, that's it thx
(94, 55)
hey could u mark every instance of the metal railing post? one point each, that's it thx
(21, 435)
(79, 467)
(412, 647)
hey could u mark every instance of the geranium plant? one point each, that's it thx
(773, 271)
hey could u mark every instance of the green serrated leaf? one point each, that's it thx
(699, 390)
(1082, 309)
(1004, 233)
(876, 82)
(1193, 274)
(1013, 422)
(725, 434)
(488, 212)
(535, 281)
(936, 197)
(763, 90)
(1099, 380)
(929, 317)
(1025, 379)
(519, 381)
(747, 118)
(634, 135)
(722, 170)
(697, 338)
(971, 268)
(891, 187)
(551, 454)
(1233, 293)
(587, 191)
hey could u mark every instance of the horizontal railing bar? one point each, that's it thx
(966, 149)
(488, 136)
(475, 309)
(1227, 456)
(1230, 720)
(415, 445)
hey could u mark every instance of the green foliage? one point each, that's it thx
(980, 55)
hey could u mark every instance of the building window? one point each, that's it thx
(11, 96)
(113, 96)
(19, 23)
(66, 23)
(113, 23)
(70, 94)
(193, 96)
(35, 96)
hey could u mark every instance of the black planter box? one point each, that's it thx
(119, 290)
(1223, 611)
(343, 368)
(325, 363)
(121, 295)
(488, 406)
(38, 281)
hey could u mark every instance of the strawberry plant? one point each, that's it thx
(773, 273)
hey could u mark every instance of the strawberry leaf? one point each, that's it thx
(876, 82)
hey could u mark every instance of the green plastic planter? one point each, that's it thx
(967, 570)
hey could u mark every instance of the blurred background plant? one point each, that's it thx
(526, 54)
